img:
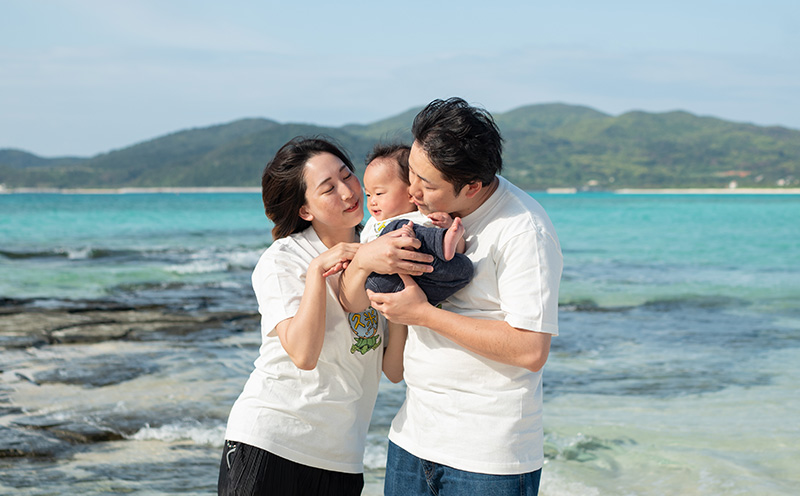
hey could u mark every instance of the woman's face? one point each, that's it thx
(333, 194)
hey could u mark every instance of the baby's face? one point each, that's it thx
(387, 194)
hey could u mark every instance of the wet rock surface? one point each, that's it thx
(25, 323)
(98, 371)
(28, 325)
(48, 436)
(25, 443)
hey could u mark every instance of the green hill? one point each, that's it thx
(18, 159)
(548, 145)
(546, 117)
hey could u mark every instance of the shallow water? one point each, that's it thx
(675, 372)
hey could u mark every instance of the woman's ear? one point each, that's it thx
(305, 214)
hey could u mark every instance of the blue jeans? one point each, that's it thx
(407, 475)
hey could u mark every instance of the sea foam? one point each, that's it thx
(200, 434)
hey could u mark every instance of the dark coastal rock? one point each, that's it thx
(37, 323)
(15, 340)
(11, 304)
(82, 427)
(98, 371)
(25, 323)
(104, 326)
(39, 436)
(587, 305)
(38, 421)
(84, 433)
(6, 408)
(25, 443)
(78, 431)
(9, 410)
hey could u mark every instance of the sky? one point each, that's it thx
(83, 77)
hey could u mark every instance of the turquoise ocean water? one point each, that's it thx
(677, 368)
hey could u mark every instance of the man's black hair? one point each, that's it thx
(461, 141)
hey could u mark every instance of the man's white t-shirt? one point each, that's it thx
(466, 411)
(319, 417)
(373, 227)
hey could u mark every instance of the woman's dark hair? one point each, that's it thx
(461, 141)
(396, 151)
(283, 185)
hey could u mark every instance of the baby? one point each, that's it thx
(391, 206)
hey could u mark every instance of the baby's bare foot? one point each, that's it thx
(454, 239)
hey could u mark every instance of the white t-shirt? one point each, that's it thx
(319, 417)
(466, 411)
(373, 227)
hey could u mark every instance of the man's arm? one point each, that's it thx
(493, 339)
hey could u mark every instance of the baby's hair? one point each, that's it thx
(397, 151)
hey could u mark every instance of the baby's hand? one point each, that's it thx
(407, 230)
(441, 219)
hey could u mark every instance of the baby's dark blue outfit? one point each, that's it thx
(448, 276)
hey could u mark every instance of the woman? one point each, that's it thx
(299, 427)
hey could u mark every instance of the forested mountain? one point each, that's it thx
(548, 145)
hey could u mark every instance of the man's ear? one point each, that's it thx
(305, 214)
(472, 189)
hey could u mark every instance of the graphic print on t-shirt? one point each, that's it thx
(365, 331)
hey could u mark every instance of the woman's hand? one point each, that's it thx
(334, 260)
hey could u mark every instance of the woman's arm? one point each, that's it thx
(393, 353)
(302, 335)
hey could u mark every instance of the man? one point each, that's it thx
(472, 419)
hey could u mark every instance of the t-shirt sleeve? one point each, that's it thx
(368, 228)
(278, 282)
(528, 275)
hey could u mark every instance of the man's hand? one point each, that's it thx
(393, 253)
(406, 307)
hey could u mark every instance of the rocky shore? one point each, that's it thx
(31, 324)
(25, 323)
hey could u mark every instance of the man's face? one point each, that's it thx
(429, 189)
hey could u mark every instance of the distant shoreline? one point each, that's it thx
(683, 191)
(234, 189)
(709, 191)
(124, 191)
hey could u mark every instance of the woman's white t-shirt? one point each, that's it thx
(319, 417)
(466, 411)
